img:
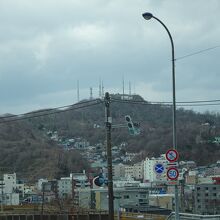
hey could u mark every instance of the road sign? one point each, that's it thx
(159, 168)
(172, 182)
(174, 164)
(172, 173)
(172, 155)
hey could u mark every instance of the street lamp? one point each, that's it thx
(148, 16)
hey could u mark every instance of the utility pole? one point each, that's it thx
(2, 195)
(42, 204)
(108, 124)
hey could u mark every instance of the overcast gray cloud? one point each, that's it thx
(47, 45)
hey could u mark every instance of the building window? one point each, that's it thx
(214, 194)
(126, 196)
(206, 194)
(198, 188)
(142, 195)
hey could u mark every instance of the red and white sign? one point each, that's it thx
(172, 155)
(172, 173)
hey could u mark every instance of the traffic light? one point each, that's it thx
(133, 128)
(99, 180)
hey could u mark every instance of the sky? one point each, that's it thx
(46, 46)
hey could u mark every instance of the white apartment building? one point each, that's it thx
(9, 183)
(80, 179)
(118, 171)
(129, 171)
(135, 171)
(40, 183)
(11, 189)
(65, 186)
(149, 169)
(139, 170)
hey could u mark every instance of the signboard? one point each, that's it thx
(172, 155)
(172, 173)
(159, 168)
(172, 182)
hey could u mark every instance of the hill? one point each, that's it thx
(26, 149)
(195, 131)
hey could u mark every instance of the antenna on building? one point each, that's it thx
(78, 90)
(130, 88)
(91, 95)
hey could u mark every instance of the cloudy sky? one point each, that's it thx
(47, 45)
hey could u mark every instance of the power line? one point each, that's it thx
(189, 103)
(210, 104)
(195, 53)
(48, 112)
(85, 104)
(160, 102)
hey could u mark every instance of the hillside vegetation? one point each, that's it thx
(27, 150)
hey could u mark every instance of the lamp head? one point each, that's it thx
(147, 15)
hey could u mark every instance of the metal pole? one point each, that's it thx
(42, 204)
(174, 112)
(108, 123)
(2, 196)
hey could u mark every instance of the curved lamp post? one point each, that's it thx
(148, 16)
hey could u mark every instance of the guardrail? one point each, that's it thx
(141, 216)
(186, 216)
(54, 217)
(80, 216)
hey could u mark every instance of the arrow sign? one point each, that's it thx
(159, 168)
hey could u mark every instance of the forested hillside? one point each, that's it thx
(26, 149)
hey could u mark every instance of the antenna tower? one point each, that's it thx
(91, 95)
(77, 90)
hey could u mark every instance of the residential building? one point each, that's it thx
(118, 171)
(40, 183)
(9, 183)
(11, 189)
(165, 201)
(207, 199)
(139, 170)
(129, 171)
(64, 186)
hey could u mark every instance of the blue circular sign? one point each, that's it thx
(159, 168)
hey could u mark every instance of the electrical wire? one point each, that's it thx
(189, 103)
(49, 109)
(48, 112)
(195, 53)
(86, 104)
